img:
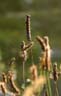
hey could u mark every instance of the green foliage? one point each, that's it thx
(18, 5)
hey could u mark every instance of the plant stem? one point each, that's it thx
(24, 72)
(56, 89)
(48, 85)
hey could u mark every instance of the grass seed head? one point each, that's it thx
(33, 71)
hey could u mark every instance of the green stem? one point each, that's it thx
(48, 84)
(56, 90)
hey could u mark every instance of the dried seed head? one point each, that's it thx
(55, 72)
(42, 61)
(28, 46)
(33, 71)
(24, 50)
(13, 85)
(41, 41)
(3, 89)
(28, 27)
(4, 77)
(46, 58)
(46, 39)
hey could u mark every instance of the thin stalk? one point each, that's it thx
(43, 72)
(49, 85)
(46, 85)
(24, 73)
(56, 89)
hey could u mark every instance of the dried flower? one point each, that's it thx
(41, 41)
(13, 85)
(44, 42)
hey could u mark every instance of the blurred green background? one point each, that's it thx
(45, 20)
